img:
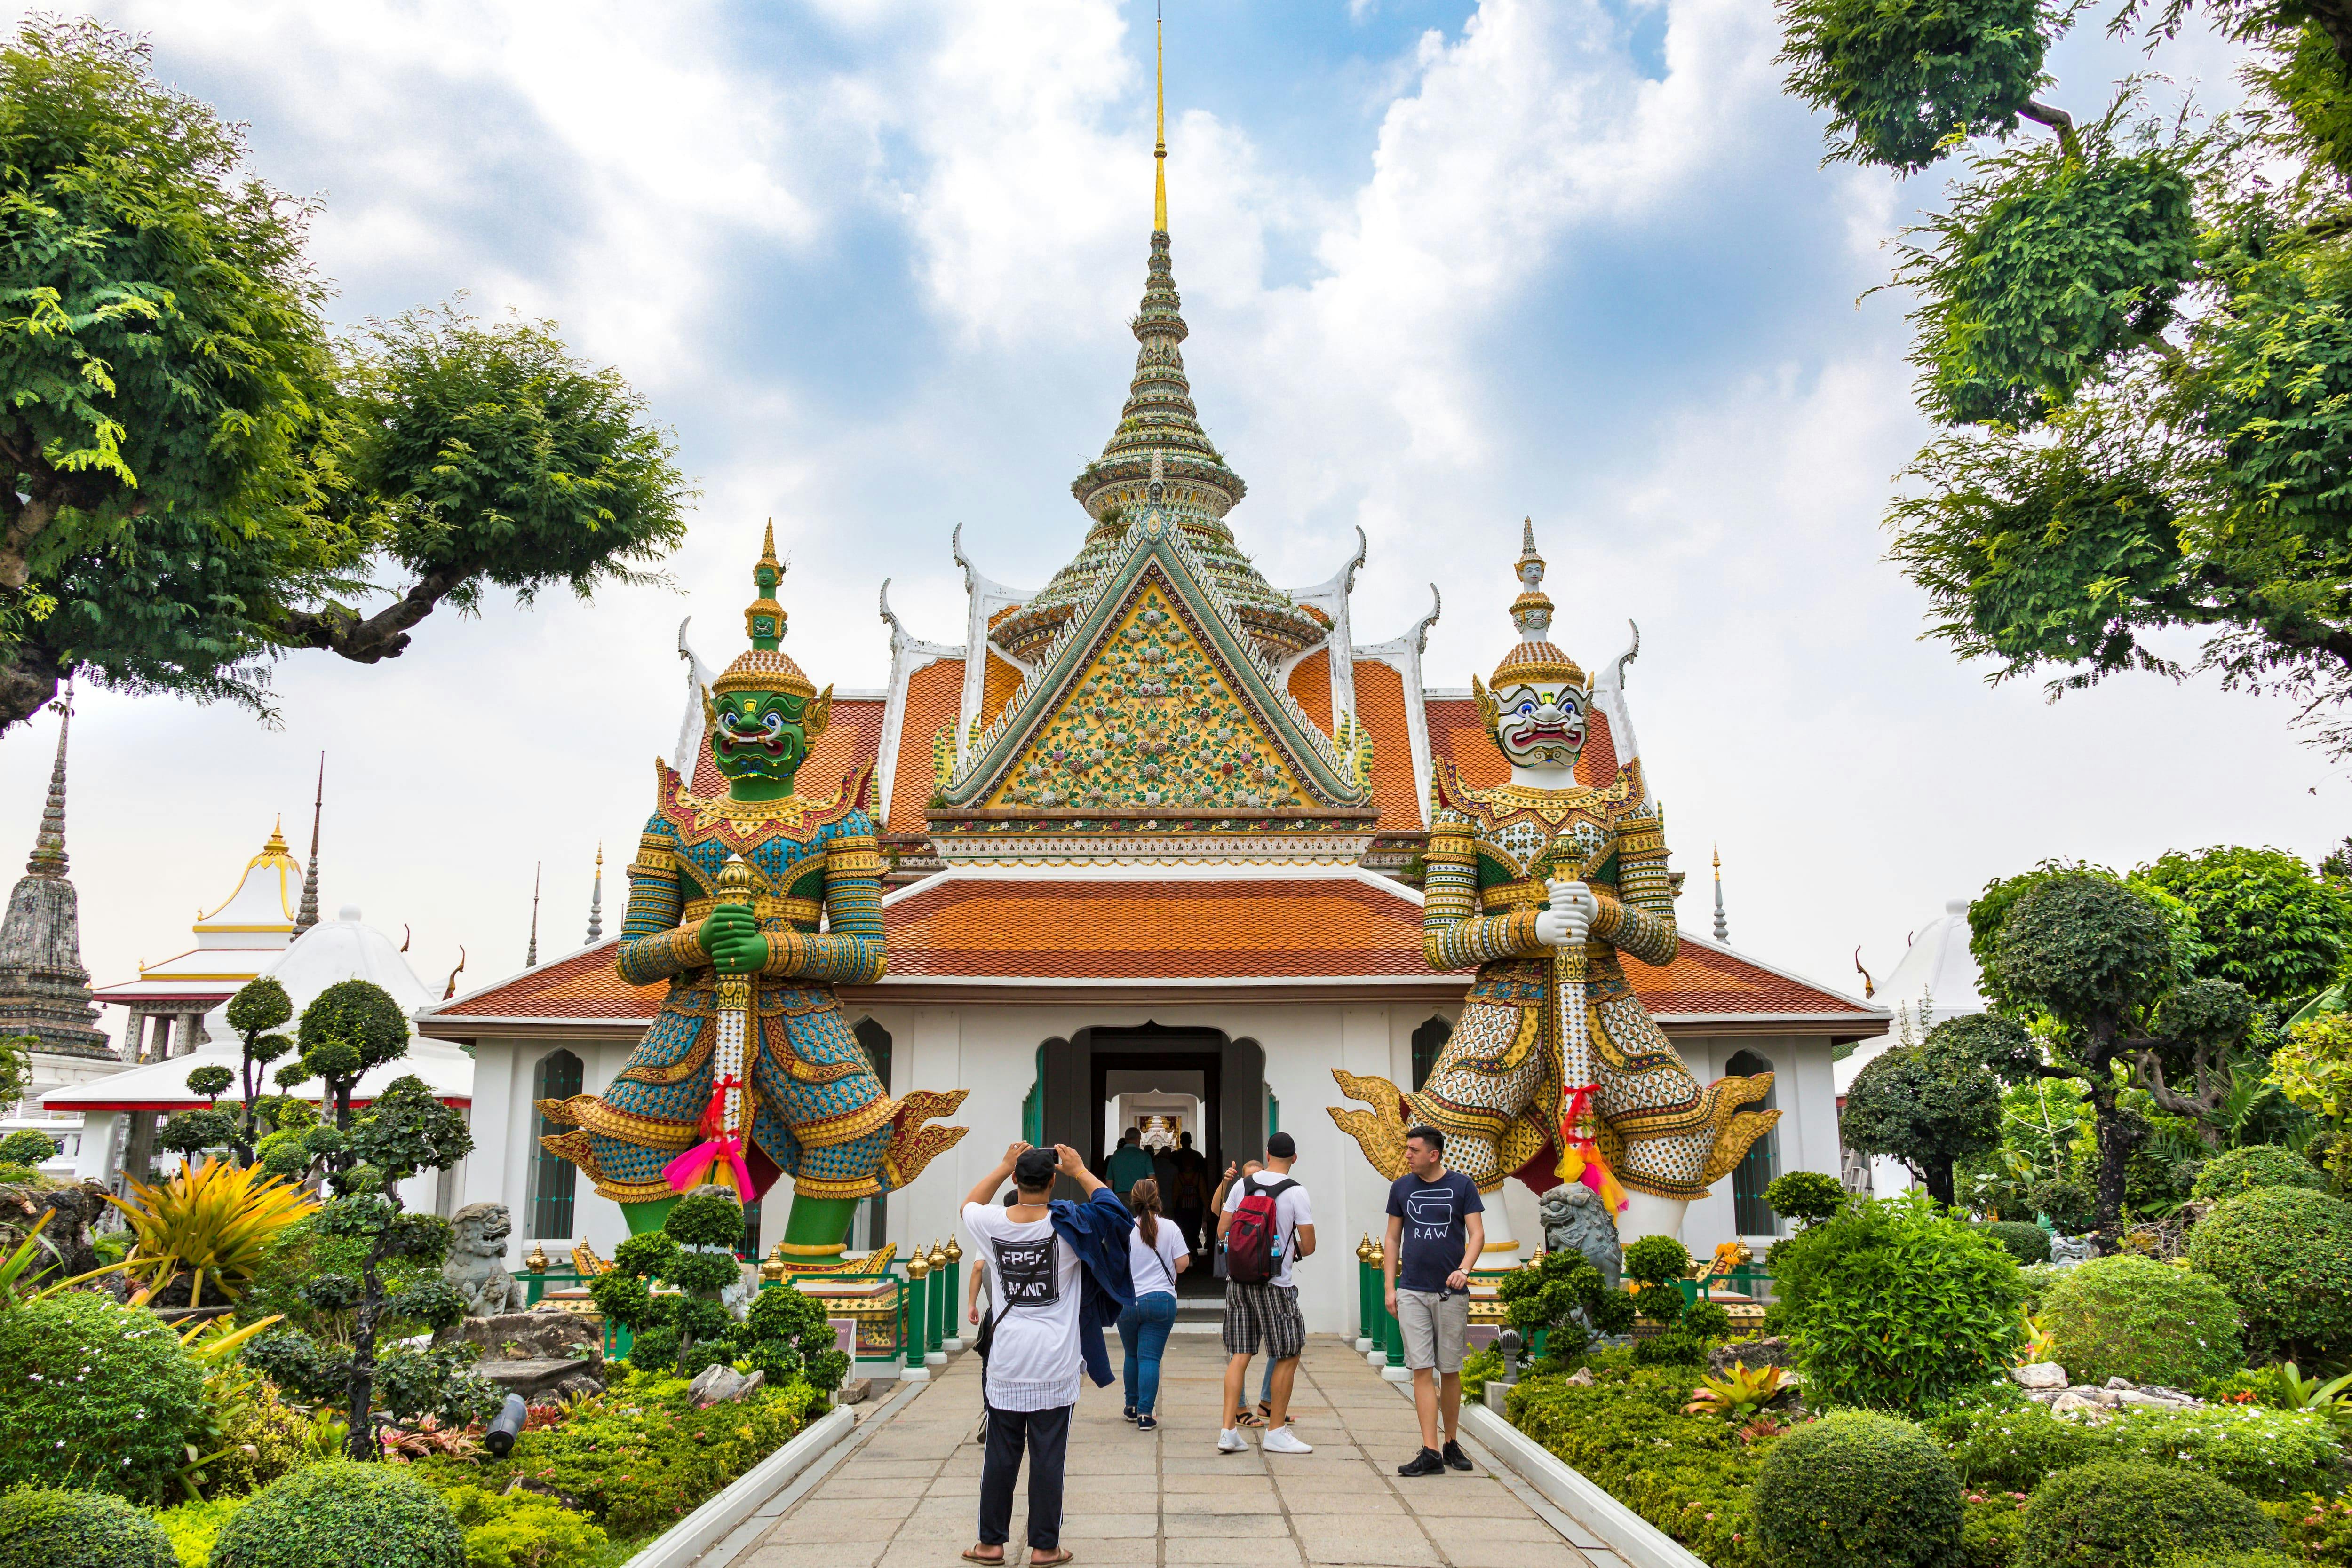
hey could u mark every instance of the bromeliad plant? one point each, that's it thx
(1739, 1393)
(212, 1222)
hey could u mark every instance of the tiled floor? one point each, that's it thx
(909, 1496)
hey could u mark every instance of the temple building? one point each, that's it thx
(1154, 831)
(44, 991)
(1937, 978)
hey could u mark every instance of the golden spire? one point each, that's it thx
(1159, 146)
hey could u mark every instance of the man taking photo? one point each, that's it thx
(1437, 1228)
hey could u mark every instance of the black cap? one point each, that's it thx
(1034, 1170)
(1281, 1146)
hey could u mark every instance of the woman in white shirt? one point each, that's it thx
(1156, 1254)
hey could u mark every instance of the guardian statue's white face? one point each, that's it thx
(1541, 725)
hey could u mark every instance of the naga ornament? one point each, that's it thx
(1555, 1072)
(754, 905)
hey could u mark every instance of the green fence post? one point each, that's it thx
(940, 1307)
(955, 1291)
(918, 1311)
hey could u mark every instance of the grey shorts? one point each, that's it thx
(1436, 1329)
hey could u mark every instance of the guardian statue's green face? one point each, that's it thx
(759, 734)
(764, 714)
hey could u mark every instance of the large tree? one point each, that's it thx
(201, 479)
(2091, 982)
(2263, 919)
(2135, 333)
(1929, 1105)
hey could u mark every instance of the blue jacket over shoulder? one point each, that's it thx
(1096, 1230)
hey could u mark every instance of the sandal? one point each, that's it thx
(971, 1555)
(1248, 1418)
(1060, 1556)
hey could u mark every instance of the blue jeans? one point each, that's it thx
(1143, 1331)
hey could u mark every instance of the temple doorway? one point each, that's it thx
(1100, 1081)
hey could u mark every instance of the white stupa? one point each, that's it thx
(1938, 978)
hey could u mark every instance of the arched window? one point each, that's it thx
(1756, 1170)
(872, 1215)
(1427, 1041)
(557, 1077)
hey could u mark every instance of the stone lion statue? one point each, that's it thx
(1576, 1220)
(2067, 1251)
(476, 1265)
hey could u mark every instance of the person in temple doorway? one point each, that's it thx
(1129, 1162)
(1437, 1228)
(1190, 1190)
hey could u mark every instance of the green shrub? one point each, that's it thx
(1477, 1368)
(2134, 1318)
(1688, 1475)
(2315, 1529)
(2227, 1560)
(26, 1147)
(15, 1175)
(522, 1529)
(193, 1526)
(1857, 1490)
(1892, 1305)
(2027, 1243)
(1805, 1197)
(2226, 1174)
(41, 1527)
(2037, 1277)
(1672, 1348)
(349, 1515)
(2285, 1256)
(2132, 1514)
(2010, 1446)
(1655, 1259)
(93, 1395)
(640, 1457)
(786, 1336)
(2271, 1454)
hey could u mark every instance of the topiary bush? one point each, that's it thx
(93, 1395)
(348, 1514)
(2226, 1174)
(523, 1529)
(1806, 1196)
(1857, 1490)
(2285, 1256)
(193, 1526)
(2028, 1243)
(2134, 1318)
(1893, 1304)
(42, 1527)
(26, 1147)
(2126, 1513)
(786, 1336)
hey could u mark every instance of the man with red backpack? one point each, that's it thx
(1268, 1224)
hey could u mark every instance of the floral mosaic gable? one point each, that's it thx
(1151, 721)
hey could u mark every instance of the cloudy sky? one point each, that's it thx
(1446, 265)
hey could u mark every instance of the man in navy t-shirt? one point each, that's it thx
(1437, 1228)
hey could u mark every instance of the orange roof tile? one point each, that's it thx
(1379, 708)
(1149, 929)
(934, 696)
(1310, 688)
(1002, 680)
(583, 986)
(1707, 981)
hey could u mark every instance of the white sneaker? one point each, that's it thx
(1229, 1441)
(1283, 1440)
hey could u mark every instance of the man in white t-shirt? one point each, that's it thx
(1268, 1311)
(1031, 1363)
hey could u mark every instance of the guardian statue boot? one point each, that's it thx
(753, 905)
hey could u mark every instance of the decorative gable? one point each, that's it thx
(1152, 720)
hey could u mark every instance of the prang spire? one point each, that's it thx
(48, 856)
(530, 959)
(308, 916)
(1159, 141)
(597, 902)
(1722, 926)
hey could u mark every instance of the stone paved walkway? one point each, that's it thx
(908, 1498)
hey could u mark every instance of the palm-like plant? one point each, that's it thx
(1741, 1391)
(212, 1219)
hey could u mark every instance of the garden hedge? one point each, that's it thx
(2132, 1514)
(346, 1515)
(1857, 1490)
(2236, 1171)
(42, 1527)
(2021, 1240)
(95, 1394)
(2285, 1256)
(2138, 1319)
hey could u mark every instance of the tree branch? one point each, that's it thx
(2057, 119)
(383, 636)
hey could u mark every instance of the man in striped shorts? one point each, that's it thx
(1261, 1302)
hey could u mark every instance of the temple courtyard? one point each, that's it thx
(908, 1492)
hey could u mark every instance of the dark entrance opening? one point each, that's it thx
(1076, 1076)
